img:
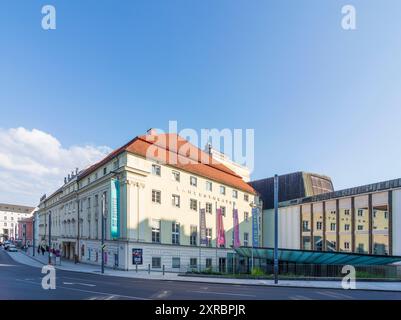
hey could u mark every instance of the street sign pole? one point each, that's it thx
(276, 229)
(103, 227)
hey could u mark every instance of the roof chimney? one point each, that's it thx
(151, 132)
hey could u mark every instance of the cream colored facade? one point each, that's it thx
(352, 220)
(76, 211)
(10, 214)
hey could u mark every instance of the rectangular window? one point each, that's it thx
(116, 164)
(319, 225)
(193, 263)
(175, 233)
(209, 186)
(346, 227)
(175, 200)
(246, 216)
(209, 237)
(156, 262)
(208, 263)
(346, 245)
(246, 239)
(235, 194)
(193, 181)
(360, 212)
(156, 196)
(156, 231)
(193, 204)
(305, 226)
(193, 236)
(208, 207)
(333, 227)
(176, 262)
(156, 170)
(346, 212)
(223, 211)
(360, 227)
(246, 197)
(176, 176)
(385, 214)
(104, 171)
(222, 190)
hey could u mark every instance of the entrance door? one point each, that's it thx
(222, 264)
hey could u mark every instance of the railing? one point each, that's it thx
(297, 271)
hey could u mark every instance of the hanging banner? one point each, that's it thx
(202, 227)
(115, 208)
(255, 228)
(237, 242)
(221, 238)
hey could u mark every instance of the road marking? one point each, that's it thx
(334, 295)
(80, 284)
(224, 293)
(299, 297)
(7, 265)
(90, 291)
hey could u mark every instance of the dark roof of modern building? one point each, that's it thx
(173, 150)
(291, 186)
(318, 257)
(365, 189)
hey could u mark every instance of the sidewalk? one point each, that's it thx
(39, 261)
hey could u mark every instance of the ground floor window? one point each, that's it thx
(208, 262)
(193, 263)
(156, 262)
(176, 262)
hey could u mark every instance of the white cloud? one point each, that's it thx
(33, 162)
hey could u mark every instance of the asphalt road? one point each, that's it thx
(18, 281)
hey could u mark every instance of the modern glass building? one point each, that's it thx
(361, 220)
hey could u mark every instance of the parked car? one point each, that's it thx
(6, 244)
(12, 248)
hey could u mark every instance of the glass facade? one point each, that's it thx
(358, 224)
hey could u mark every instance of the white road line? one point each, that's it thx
(299, 297)
(224, 293)
(89, 291)
(334, 295)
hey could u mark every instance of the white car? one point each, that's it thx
(12, 248)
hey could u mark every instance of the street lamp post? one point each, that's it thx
(103, 227)
(50, 235)
(276, 229)
(33, 236)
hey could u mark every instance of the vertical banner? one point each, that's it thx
(221, 238)
(115, 208)
(255, 227)
(237, 242)
(202, 227)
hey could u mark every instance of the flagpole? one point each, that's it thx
(200, 258)
(216, 236)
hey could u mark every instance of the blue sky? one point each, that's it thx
(320, 98)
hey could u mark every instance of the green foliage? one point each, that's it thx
(257, 272)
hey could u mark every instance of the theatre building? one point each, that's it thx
(165, 202)
(362, 220)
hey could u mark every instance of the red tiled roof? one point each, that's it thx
(173, 150)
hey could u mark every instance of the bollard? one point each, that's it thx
(136, 268)
(149, 268)
(163, 269)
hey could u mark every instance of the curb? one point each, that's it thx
(224, 283)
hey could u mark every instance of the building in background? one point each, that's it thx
(292, 186)
(10, 214)
(365, 219)
(25, 231)
(240, 170)
(161, 197)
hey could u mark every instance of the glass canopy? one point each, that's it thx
(317, 257)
